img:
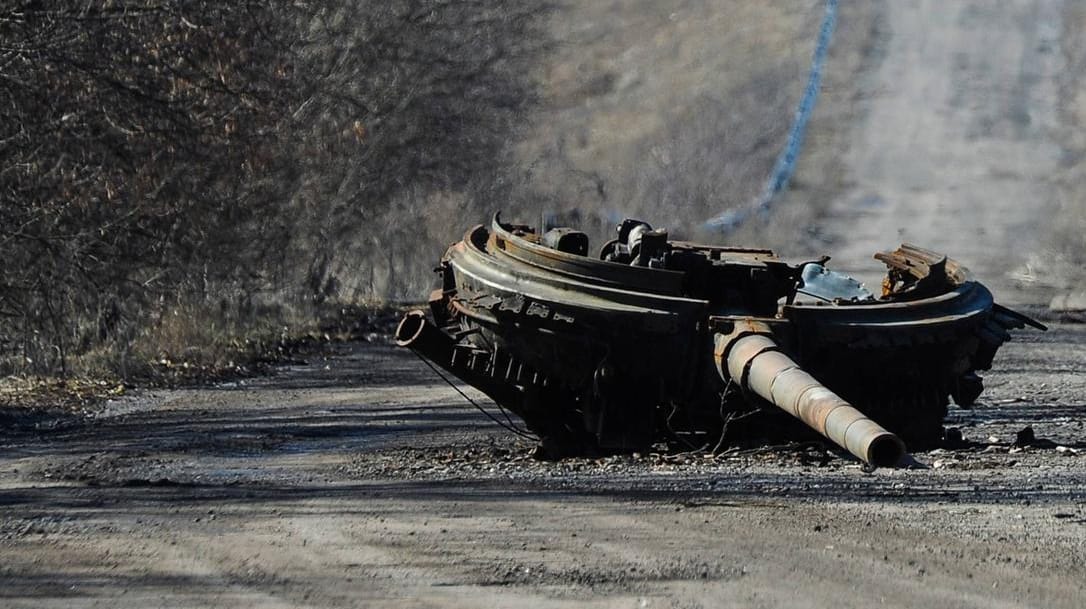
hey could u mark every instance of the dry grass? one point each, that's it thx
(820, 176)
(676, 111)
(191, 344)
(199, 343)
(669, 110)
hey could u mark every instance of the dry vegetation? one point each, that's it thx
(666, 110)
(675, 110)
(192, 182)
(181, 175)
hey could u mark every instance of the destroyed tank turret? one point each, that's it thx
(658, 341)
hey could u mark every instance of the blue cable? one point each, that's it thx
(786, 162)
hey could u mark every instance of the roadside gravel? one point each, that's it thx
(357, 480)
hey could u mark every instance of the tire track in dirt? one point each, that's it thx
(957, 146)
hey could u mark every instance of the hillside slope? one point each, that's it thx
(958, 148)
(673, 110)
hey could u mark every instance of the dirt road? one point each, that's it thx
(358, 481)
(958, 148)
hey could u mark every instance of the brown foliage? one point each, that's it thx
(159, 153)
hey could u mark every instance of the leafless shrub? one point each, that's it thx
(164, 156)
(412, 105)
(133, 130)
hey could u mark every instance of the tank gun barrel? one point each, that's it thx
(749, 356)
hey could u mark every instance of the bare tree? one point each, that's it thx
(420, 99)
(162, 151)
(132, 135)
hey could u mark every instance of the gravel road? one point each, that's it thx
(356, 480)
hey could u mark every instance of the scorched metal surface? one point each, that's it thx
(657, 340)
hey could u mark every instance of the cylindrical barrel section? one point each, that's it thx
(417, 333)
(749, 356)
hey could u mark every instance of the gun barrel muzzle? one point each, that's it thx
(417, 333)
(751, 357)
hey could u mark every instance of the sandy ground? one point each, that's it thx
(359, 480)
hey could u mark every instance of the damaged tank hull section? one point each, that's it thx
(698, 346)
